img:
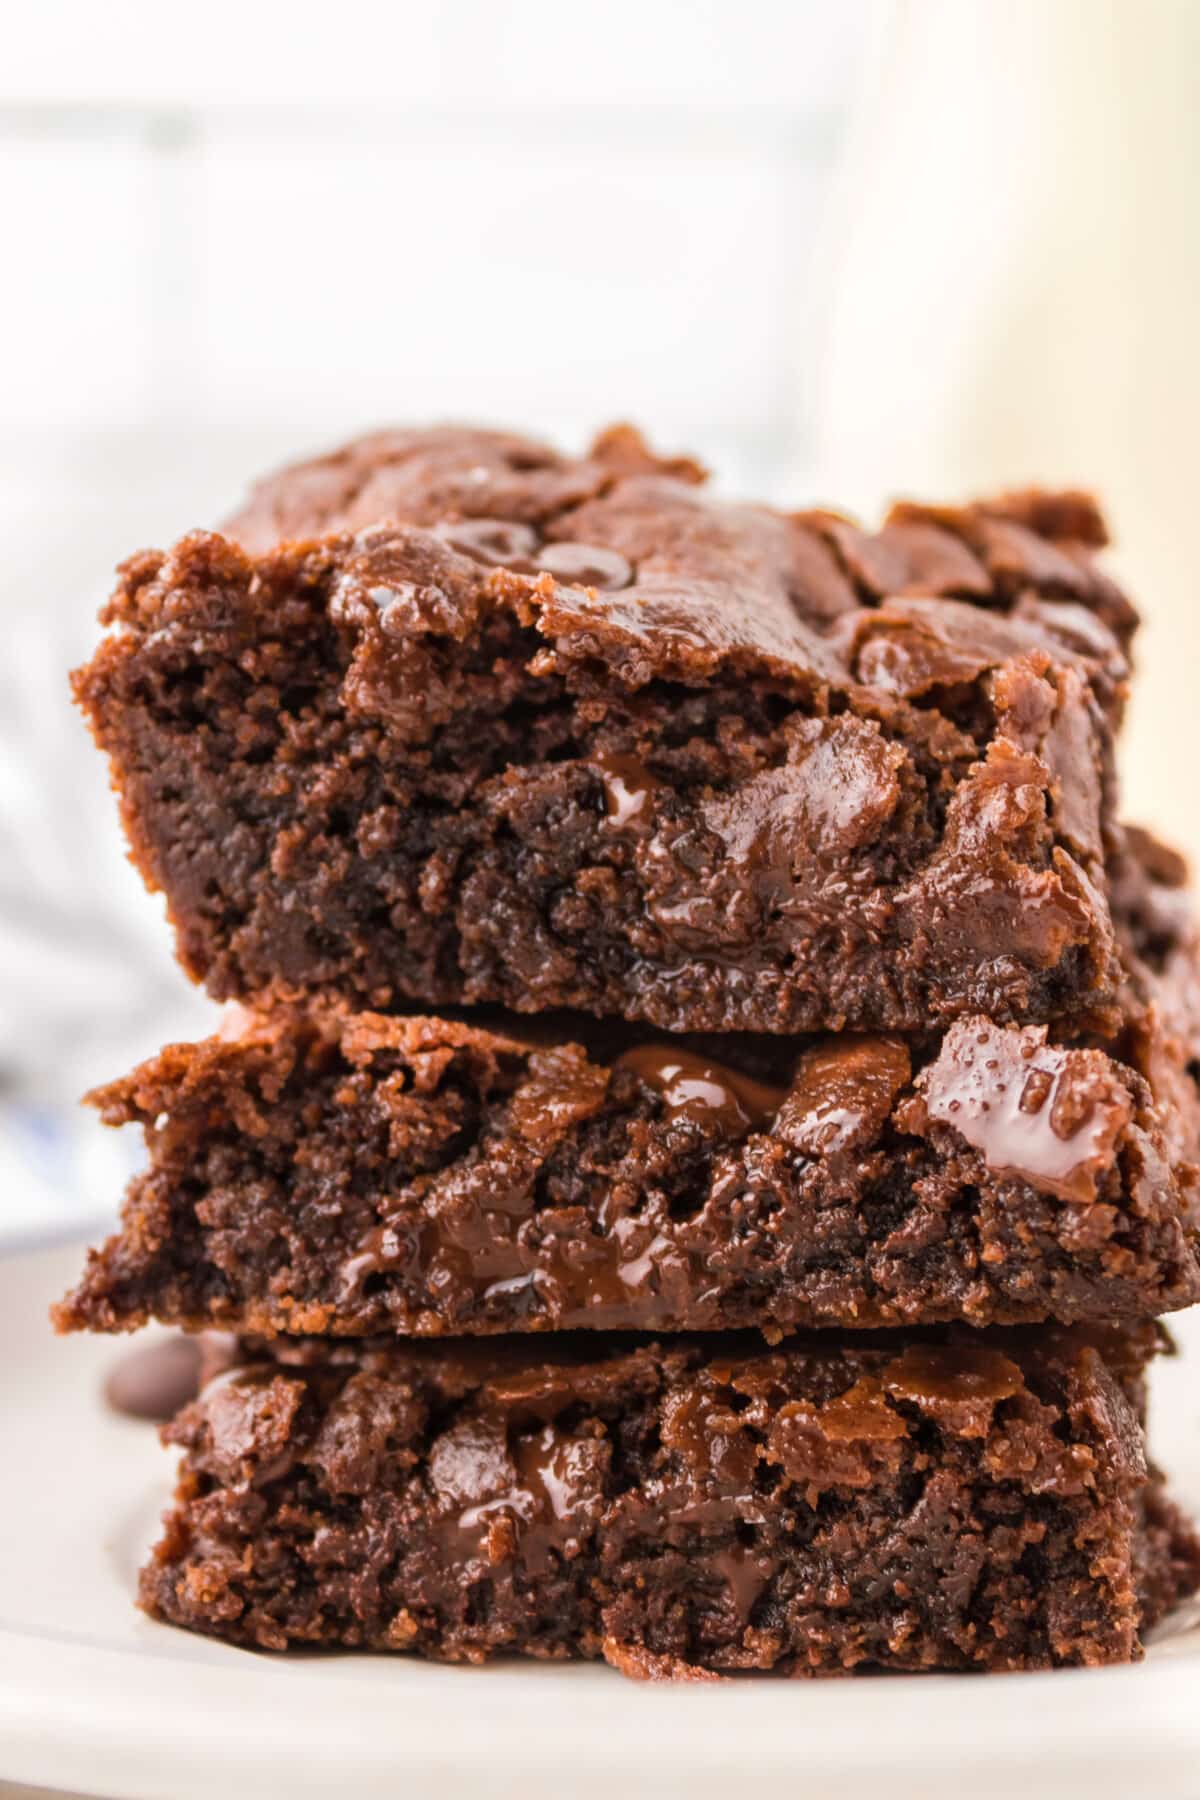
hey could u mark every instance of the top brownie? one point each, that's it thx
(449, 718)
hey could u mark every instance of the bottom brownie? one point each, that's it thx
(934, 1502)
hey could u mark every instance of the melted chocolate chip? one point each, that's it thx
(745, 1576)
(586, 565)
(385, 1249)
(250, 1412)
(952, 1374)
(862, 1415)
(629, 787)
(1051, 1116)
(704, 1093)
(532, 1502)
(598, 1279)
(843, 1092)
(838, 790)
(499, 543)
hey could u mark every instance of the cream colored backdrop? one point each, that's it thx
(1017, 297)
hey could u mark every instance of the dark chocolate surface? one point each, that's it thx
(681, 1508)
(492, 725)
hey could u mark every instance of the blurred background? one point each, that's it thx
(841, 249)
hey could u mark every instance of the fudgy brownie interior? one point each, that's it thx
(326, 1171)
(683, 1507)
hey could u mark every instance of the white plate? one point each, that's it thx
(97, 1699)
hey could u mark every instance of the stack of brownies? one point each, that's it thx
(711, 1120)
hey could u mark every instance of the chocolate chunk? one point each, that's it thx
(843, 1094)
(1052, 1117)
(154, 1381)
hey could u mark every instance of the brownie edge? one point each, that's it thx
(701, 1506)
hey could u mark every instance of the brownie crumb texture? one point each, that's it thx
(448, 718)
(355, 1173)
(694, 1506)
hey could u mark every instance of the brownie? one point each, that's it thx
(324, 1171)
(1153, 905)
(448, 718)
(688, 1507)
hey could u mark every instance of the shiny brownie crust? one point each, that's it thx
(690, 1507)
(448, 718)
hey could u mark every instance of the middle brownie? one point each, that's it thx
(350, 1173)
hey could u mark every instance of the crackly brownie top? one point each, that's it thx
(623, 555)
(441, 472)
